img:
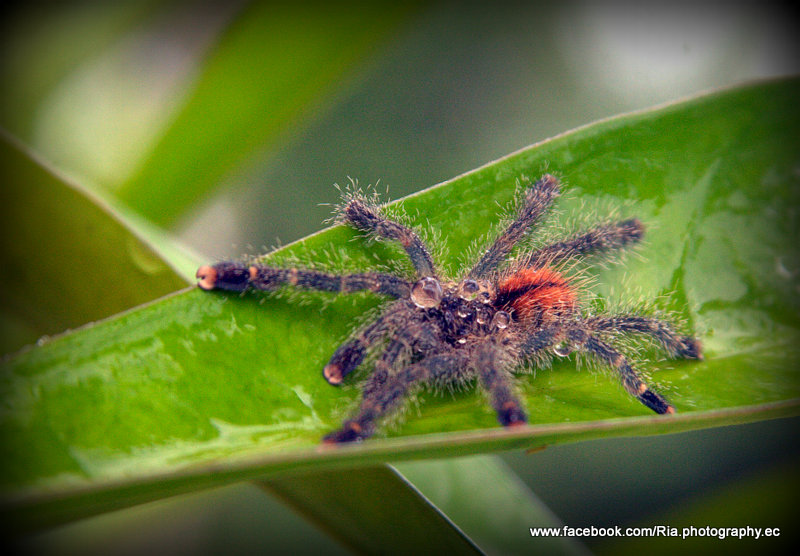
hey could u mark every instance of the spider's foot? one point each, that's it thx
(351, 431)
(225, 276)
(690, 348)
(654, 401)
(206, 277)
(333, 374)
(512, 415)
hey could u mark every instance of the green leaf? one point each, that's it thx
(370, 509)
(59, 40)
(489, 503)
(755, 502)
(201, 389)
(481, 496)
(67, 257)
(276, 62)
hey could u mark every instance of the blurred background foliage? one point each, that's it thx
(118, 97)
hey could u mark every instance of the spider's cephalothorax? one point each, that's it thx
(500, 314)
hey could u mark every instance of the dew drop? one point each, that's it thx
(563, 349)
(501, 320)
(462, 340)
(427, 292)
(468, 289)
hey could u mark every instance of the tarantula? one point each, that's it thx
(501, 314)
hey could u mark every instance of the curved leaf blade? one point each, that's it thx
(68, 259)
(201, 389)
(362, 519)
(267, 70)
(489, 502)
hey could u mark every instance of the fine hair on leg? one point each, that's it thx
(491, 366)
(538, 199)
(235, 276)
(631, 381)
(677, 345)
(379, 400)
(601, 238)
(350, 354)
(363, 217)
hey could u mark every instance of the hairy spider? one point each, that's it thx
(502, 313)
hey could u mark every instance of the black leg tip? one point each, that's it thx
(351, 431)
(229, 276)
(690, 348)
(655, 402)
(511, 415)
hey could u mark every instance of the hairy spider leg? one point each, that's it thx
(407, 339)
(538, 199)
(384, 367)
(629, 377)
(235, 276)
(677, 345)
(363, 217)
(409, 336)
(379, 401)
(601, 238)
(539, 340)
(491, 367)
(351, 354)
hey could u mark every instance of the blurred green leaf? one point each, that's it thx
(371, 510)
(202, 389)
(489, 503)
(45, 45)
(67, 258)
(481, 496)
(276, 61)
(766, 500)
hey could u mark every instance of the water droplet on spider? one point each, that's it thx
(427, 292)
(462, 340)
(463, 311)
(563, 349)
(501, 320)
(468, 289)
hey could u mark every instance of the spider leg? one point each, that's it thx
(412, 337)
(538, 198)
(601, 238)
(384, 392)
(630, 378)
(385, 366)
(677, 345)
(539, 340)
(490, 363)
(363, 217)
(239, 277)
(349, 355)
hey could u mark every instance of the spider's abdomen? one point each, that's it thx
(534, 295)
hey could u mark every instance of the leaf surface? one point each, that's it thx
(369, 509)
(68, 257)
